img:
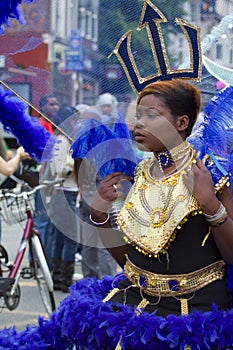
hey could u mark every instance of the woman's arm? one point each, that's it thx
(223, 234)
(200, 182)
(8, 168)
(104, 196)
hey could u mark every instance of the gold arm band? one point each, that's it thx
(173, 285)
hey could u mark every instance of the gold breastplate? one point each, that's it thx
(154, 209)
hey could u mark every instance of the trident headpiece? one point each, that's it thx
(151, 17)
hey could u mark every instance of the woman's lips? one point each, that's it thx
(138, 137)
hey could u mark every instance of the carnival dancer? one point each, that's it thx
(174, 239)
(177, 224)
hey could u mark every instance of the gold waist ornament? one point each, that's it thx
(173, 285)
(155, 208)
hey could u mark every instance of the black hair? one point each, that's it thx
(180, 96)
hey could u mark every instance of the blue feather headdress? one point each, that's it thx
(27, 130)
(108, 150)
(214, 136)
(10, 9)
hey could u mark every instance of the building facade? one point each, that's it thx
(208, 14)
(72, 21)
(34, 57)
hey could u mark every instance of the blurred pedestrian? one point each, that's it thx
(62, 207)
(96, 260)
(48, 106)
(107, 106)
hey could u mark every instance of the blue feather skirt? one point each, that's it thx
(84, 321)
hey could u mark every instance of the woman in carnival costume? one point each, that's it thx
(174, 241)
(177, 222)
(176, 219)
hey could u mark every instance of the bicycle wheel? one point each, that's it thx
(3, 255)
(12, 299)
(43, 276)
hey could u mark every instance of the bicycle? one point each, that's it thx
(16, 208)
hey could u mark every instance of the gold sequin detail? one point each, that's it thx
(155, 209)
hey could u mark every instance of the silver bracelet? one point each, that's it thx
(221, 210)
(218, 217)
(98, 223)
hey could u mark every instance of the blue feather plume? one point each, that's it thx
(10, 9)
(108, 150)
(27, 130)
(215, 135)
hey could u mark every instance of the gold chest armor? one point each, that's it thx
(154, 208)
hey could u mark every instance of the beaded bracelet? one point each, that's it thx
(218, 218)
(98, 223)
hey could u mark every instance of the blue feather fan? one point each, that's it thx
(108, 150)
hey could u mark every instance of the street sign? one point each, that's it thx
(75, 43)
(74, 56)
(75, 40)
(74, 60)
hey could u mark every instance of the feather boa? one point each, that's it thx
(84, 321)
(27, 130)
(10, 9)
(215, 135)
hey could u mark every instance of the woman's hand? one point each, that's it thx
(106, 193)
(199, 181)
(21, 152)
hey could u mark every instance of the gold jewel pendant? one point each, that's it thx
(157, 216)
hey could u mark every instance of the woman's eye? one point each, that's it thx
(152, 115)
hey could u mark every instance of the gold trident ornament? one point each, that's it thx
(151, 17)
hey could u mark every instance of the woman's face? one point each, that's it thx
(155, 129)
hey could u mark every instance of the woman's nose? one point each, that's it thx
(140, 123)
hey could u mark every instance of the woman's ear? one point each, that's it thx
(182, 122)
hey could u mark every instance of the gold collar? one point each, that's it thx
(155, 208)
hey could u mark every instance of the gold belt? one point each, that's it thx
(173, 285)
